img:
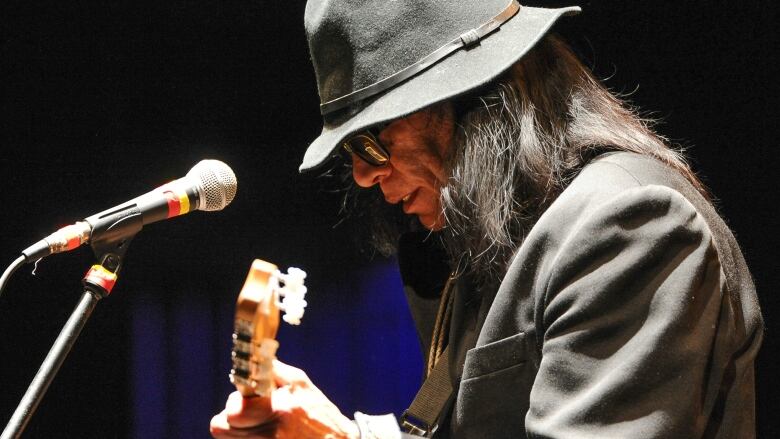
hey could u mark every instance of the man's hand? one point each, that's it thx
(296, 409)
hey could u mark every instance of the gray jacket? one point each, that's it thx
(627, 312)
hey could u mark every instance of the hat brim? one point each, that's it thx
(464, 70)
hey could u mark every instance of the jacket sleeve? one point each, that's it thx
(627, 323)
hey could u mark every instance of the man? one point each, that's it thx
(590, 289)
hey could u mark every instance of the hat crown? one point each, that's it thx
(355, 43)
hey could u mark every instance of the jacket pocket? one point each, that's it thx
(493, 394)
(495, 356)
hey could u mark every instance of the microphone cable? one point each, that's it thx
(9, 271)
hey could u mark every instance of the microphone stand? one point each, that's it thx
(110, 241)
(50, 366)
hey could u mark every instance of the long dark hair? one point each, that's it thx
(519, 143)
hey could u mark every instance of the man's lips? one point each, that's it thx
(406, 199)
(398, 199)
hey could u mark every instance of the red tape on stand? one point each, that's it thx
(99, 276)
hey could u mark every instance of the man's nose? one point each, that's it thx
(367, 175)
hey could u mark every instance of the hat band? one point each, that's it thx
(466, 39)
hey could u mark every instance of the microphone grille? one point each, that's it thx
(217, 184)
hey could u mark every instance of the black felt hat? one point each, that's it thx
(379, 60)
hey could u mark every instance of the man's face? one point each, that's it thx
(418, 145)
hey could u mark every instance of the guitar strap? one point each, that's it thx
(423, 415)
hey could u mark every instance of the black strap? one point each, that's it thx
(422, 417)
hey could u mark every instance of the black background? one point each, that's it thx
(102, 101)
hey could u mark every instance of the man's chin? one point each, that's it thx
(431, 222)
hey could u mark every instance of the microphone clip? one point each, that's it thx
(112, 233)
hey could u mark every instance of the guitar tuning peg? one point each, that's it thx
(292, 294)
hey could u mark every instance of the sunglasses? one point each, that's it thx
(366, 145)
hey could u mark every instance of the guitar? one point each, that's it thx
(266, 291)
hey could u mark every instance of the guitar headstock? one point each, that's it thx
(266, 291)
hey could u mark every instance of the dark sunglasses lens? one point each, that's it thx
(367, 149)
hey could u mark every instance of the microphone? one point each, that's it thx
(210, 185)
